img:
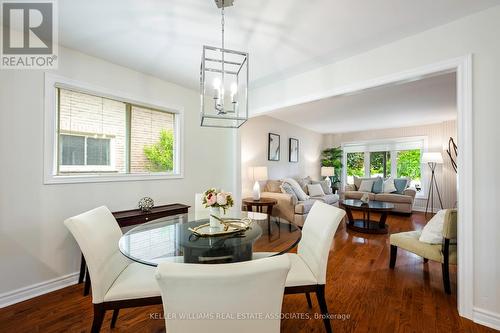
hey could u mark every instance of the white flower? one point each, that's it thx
(221, 199)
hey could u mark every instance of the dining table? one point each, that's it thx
(172, 239)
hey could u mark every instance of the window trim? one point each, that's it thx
(393, 145)
(52, 82)
(111, 167)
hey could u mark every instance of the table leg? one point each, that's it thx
(383, 218)
(269, 212)
(349, 215)
(249, 208)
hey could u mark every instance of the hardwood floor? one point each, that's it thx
(362, 293)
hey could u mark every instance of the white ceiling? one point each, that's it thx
(284, 37)
(420, 102)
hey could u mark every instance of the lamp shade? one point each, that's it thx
(327, 171)
(431, 157)
(258, 173)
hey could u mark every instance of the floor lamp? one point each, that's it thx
(432, 159)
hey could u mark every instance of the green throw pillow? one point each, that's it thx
(378, 185)
(400, 184)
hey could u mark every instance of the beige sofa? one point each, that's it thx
(290, 209)
(403, 203)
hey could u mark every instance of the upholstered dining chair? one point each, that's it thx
(308, 266)
(223, 298)
(116, 281)
(445, 253)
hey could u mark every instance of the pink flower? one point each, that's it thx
(221, 199)
(211, 199)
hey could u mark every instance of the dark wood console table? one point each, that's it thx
(126, 218)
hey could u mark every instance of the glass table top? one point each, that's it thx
(168, 239)
(372, 204)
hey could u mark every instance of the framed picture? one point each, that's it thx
(273, 147)
(293, 150)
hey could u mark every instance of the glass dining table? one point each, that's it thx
(169, 239)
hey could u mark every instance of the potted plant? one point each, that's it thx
(214, 200)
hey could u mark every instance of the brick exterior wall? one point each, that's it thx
(146, 125)
(83, 114)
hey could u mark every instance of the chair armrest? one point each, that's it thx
(450, 224)
(410, 192)
(350, 187)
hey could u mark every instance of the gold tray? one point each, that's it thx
(228, 226)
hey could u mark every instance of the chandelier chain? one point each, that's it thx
(222, 51)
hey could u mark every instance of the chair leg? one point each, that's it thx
(309, 302)
(114, 318)
(86, 288)
(98, 318)
(446, 278)
(320, 295)
(394, 254)
(82, 270)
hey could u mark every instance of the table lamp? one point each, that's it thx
(328, 172)
(432, 159)
(258, 174)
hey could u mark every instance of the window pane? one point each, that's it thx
(98, 151)
(91, 116)
(355, 166)
(72, 150)
(380, 164)
(151, 141)
(409, 166)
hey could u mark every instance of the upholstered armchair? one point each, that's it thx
(445, 253)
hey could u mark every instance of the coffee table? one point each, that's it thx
(366, 224)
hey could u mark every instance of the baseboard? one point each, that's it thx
(22, 294)
(486, 318)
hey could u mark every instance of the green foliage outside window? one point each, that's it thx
(377, 162)
(332, 157)
(161, 154)
(355, 164)
(409, 164)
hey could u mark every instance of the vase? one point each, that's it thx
(214, 211)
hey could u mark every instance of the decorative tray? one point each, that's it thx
(227, 227)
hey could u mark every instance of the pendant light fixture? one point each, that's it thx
(223, 83)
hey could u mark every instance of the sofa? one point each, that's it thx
(288, 207)
(403, 202)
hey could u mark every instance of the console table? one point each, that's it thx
(126, 218)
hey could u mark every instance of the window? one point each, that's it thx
(100, 136)
(408, 165)
(380, 164)
(355, 166)
(392, 157)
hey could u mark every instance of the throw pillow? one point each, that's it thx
(401, 184)
(433, 230)
(366, 185)
(315, 190)
(324, 185)
(299, 192)
(273, 186)
(357, 181)
(389, 185)
(303, 182)
(378, 185)
(287, 189)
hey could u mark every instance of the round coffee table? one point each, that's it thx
(365, 224)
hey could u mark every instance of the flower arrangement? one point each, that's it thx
(212, 198)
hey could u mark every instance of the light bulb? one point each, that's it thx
(216, 83)
(234, 88)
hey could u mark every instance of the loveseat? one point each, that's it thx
(403, 202)
(289, 207)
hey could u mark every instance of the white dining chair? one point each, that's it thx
(308, 266)
(244, 297)
(117, 282)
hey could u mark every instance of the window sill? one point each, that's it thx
(76, 179)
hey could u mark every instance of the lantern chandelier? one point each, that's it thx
(221, 71)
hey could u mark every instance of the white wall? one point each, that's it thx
(34, 244)
(254, 135)
(437, 140)
(477, 34)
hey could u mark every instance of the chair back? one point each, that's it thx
(212, 298)
(200, 212)
(97, 233)
(317, 234)
(450, 224)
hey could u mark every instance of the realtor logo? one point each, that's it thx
(29, 35)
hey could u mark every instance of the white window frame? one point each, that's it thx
(392, 145)
(89, 167)
(52, 82)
